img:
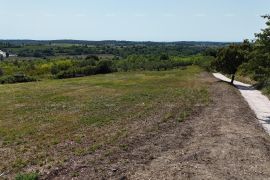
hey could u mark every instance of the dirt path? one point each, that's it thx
(226, 143)
(259, 103)
(222, 141)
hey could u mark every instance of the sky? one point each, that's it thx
(135, 20)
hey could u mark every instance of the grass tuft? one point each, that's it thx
(29, 176)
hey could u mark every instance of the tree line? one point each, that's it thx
(40, 49)
(250, 58)
(18, 70)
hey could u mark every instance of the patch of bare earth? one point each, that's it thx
(221, 141)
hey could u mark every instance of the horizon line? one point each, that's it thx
(143, 41)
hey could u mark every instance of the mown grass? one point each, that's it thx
(43, 124)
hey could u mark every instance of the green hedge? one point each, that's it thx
(17, 78)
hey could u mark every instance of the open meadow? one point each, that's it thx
(44, 125)
(134, 90)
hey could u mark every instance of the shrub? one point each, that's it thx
(17, 78)
(230, 58)
(89, 70)
(71, 73)
(164, 57)
(104, 66)
(1, 72)
(62, 65)
(77, 72)
(43, 69)
(92, 57)
(89, 61)
(205, 62)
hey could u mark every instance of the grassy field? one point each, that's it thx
(44, 124)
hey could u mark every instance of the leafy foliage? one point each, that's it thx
(230, 58)
(16, 78)
(68, 59)
(259, 65)
(250, 59)
(123, 49)
(18, 70)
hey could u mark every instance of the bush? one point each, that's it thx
(104, 66)
(1, 72)
(89, 70)
(62, 65)
(17, 78)
(164, 57)
(92, 57)
(71, 73)
(77, 72)
(43, 69)
(205, 62)
(89, 61)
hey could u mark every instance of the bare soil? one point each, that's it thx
(221, 141)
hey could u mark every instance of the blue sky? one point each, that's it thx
(138, 20)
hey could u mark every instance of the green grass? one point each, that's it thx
(266, 91)
(43, 124)
(30, 176)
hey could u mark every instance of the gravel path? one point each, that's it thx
(259, 103)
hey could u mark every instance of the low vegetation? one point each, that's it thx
(14, 70)
(46, 123)
(250, 60)
(29, 176)
(230, 58)
(123, 49)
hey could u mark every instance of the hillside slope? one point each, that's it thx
(221, 141)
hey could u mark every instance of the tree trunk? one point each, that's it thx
(233, 76)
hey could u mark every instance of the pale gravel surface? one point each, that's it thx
(259, 103)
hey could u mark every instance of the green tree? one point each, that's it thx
(260, 58)
(104, 66)
(89, 61)
(1, 72)
(230, 58)
(92, 57)
(164, 57)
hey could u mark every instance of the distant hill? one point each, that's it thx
(112, 42)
